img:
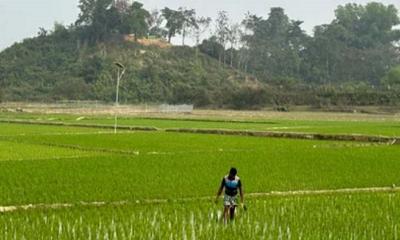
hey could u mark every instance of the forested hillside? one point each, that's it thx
(53, 68)
(354, 60)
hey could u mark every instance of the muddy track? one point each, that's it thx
(8, 209)
(292, 135)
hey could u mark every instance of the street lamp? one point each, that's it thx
(121, 72)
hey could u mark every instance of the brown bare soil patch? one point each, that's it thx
(157, 42)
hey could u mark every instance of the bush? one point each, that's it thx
(392, 78)
(248, 97)
(72, 89)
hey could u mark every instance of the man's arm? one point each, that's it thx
(241, 195)
(221, 188)
(241, 192)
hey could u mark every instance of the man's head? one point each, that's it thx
(233, 172)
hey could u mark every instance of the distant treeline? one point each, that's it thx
(354, 60)
(360, 46)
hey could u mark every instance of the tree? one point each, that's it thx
(323, 54)
(2, 80)
(42, 32)
(135, 20)
(174, 22)
(188, 21)
(357, 46)
(202, 26)
(99, 18)
(245, 32)
(275, 45)
(121, 5)
(367, 26)
(211, 47)
(392, 78)
(155, 22)
(71, 89)
(233, 38)
(91, 69)
(221, 32)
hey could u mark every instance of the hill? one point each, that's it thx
(58, 66)
(350, 61)
(61, 66)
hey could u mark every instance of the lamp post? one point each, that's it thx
(121, 72)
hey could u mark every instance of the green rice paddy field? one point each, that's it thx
(159, 185)
(384, 125)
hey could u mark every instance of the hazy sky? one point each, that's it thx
(20, 19)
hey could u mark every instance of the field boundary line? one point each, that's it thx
(89, 149)
(57, 134)
(47, 158)
(292, 135)
(248, 133)
(7, 209)
(118, 151)
(208, 120)
(81, 125)
(72, 147)
(111, 150)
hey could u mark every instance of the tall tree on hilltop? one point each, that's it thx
(221, 32)
(211, 47)
(175, 21)
(188, 21)
(233, 38)
(98, 18)
(155, 22)
(275, 45)
(202, 26)
(121, 5)
(135, 20)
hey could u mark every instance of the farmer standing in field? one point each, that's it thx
(231, 183)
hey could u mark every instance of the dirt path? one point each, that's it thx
(7, 209)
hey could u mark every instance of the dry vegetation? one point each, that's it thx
(297, 113)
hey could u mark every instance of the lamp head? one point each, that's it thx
(119, 65)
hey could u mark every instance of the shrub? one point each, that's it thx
(392, 78)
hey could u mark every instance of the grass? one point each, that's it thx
(356, 216)
(389, 128)
(55, 164)
(14, 151)
(10, 130)
(171, 165)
